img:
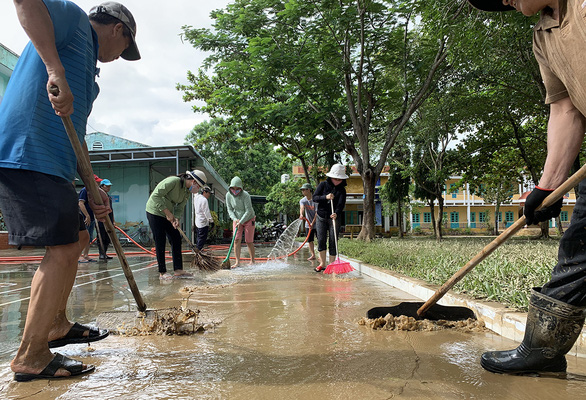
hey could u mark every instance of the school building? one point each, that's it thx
(463, 210)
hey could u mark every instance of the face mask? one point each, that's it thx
(194, 188)
(235, 192)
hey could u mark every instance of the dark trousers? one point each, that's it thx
(325, 230)
(162, 230)
(568, 278)
(202, 236)
(105, 242)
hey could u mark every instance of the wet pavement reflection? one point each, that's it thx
(285, 333)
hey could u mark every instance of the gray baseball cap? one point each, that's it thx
(117, 10)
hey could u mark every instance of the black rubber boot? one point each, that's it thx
(551, 330)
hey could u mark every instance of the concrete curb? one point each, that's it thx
(498, 318)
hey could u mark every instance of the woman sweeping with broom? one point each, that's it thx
(332, 190)
(163, 209)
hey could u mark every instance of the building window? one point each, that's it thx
(564, 216)
(427, 218)
(454, 216)
(483, 216)
(416, 218)
(453, 190)
(472, 217)
(509, 216)
(98, 145)
(500, 217)
(352, 217)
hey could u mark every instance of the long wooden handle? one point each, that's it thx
(557, 194)
(85, 169)
(335, 235)
(193, 248)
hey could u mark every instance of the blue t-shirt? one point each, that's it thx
(83, 196)
(32, 136)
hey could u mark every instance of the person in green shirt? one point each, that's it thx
(242, 214)
(164, 208)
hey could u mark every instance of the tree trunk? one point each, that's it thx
(432, 211)
(440, 218)
(544, 230)
(367, 231)
(400, 218)
(496, 218)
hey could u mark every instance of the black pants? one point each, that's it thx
(568, 278)
(105, 242)
(162, 230)
(325, 230)
(202, 236)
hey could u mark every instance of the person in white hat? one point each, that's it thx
(164, 209)
(332, 189)
(65, 45)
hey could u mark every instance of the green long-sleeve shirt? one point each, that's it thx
(169, 194)
(240, 207)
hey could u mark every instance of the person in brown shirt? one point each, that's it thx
(556, 310)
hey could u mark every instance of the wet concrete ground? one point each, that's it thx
(286, 333)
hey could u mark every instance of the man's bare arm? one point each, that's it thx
(36, 22)
(565, 133)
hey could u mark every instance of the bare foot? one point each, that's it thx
(235, 265)
(252, 262)
(311, 258)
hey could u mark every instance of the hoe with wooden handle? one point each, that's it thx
(87, 173)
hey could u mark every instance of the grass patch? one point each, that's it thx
(505, 276)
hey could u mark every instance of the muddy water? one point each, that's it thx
(285, 333)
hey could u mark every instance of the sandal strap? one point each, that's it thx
(78, 330)
(60, 361)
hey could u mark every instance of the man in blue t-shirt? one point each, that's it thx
(90, 224)
(37, 163)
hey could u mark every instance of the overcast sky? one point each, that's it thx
(138, 99)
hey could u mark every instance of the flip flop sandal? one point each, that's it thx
(166, 277)
(75, 336)
(83, 261)
(59, 361)
(319, 269)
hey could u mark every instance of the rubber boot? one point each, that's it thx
(551, 330)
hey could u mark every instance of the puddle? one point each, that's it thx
(283, 332)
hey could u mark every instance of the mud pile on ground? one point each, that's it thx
(405, 323)
(170, 321)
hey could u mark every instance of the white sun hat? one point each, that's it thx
(338, 171)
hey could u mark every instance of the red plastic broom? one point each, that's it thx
(338, 266)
